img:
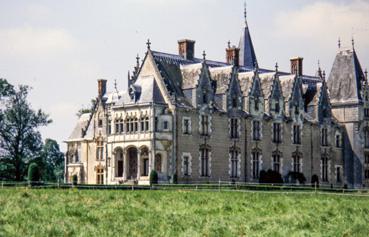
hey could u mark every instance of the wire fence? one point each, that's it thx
(196, 186)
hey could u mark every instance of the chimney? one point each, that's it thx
(101, 87)
(186, 49)
(296, 66)
(233, 55)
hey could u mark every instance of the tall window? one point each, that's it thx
(234, 163)
(234, 102)
(186, 126)
(99, 150)
(204, 98)
(121, 125)
(296, 134)
(109, 127)
(234, 128)
(135, 125)
(366, 112)
(128, 125)
(277, 107)
(366, 137)
(146, 123)
(338, 174)
(277, 133)
(338, 140)
(256, 134)
(276, 162)
(186, 165)
(99, 176)
(255, 164)
(142, 126)
(204, 161)
(325, 169)
(204, 125)
(256, 104)
(324, 137)
(116, 123)
(296, 162)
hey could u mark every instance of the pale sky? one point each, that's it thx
(61, 48)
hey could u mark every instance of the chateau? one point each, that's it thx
(197, 120)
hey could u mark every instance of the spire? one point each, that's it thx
(247, 52)
(115, 85)
(245, 13)
(339, 42)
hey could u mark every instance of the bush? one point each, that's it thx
(153, 177)
(297, 176)
(175, 178)
(271, 177)
(315, 179)
(75, 179)
(34, 174)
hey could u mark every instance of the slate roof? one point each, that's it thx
(344, 81)
(82, 122)
(247, 52)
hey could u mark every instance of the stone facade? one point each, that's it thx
(197, 120)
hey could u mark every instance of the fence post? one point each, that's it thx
(219, 185)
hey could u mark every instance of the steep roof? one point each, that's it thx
(247, 52)
(344, 81)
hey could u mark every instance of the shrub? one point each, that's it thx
(175, 178)
(33, 173)
(153, 177)
(297, 176)
(271, 176)
(315, 180)
(75, 179)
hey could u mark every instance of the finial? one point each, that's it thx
(148, 43)
(203, 55)
(366, 74)
(323, 75)
(276, 67)
(318, 63)
(115, 84)
(256, 66)
(229, 44)
(353, 43)
(245, 13)
(138, 59)
(319, 70)
(339, 43)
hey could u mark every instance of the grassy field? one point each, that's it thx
(25, 212)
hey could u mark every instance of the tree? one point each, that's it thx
(20, 141)
(87, 110)
(34, 173)
(52, 160)
(153, 177)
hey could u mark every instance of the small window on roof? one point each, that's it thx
(100, 123)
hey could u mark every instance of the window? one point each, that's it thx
(109, 127)
(234, 102)
(366, 137)
(99, 150)
(186, 166)
(100, 123)
(296, 134)
(128, 125)
(156, 124)
(146, 124)
(277, 133)
(276, 162)
(338, 174)
(165, 125)
(142, 126)
(338, 140)
(145, 167)
(116, 122)
(367, 174)
(204, 125)
(324, 137)
(135, 125)
(234, 163)
(204, 162)
(297, 109)
(366, 112)
(325, 168)
(158, 163)
(255, 164)
(186, 126)
(256, 135)
(296, 163)
(119, 160)
(121, 125)
(100, 176)
(277, 107)
(366, 160)
(204, 98)
(256, 104)
(234, 128)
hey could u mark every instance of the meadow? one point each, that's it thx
(72, 212)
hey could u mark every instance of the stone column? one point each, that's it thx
(125, 164)
(150, 162)
(138, 164)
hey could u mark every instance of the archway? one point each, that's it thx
(119, 162)
(144, 161)
(132, 163)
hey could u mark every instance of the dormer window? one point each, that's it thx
(234, 103)
(165, 125)
(256, 104)
(277, 107)
(204, 98)
(297, 109)
(100, 123)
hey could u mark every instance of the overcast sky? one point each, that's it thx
(61, 48)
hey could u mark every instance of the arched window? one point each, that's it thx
(145, 161)
(158, 163)
(119, 162)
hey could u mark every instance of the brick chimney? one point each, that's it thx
(186, 49)
(101, 87)
(233, 55)
(296, 66)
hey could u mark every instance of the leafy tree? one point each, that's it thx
(20, 141)
(52, 161)
(34, 173)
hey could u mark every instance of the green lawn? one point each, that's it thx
(25, 212)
